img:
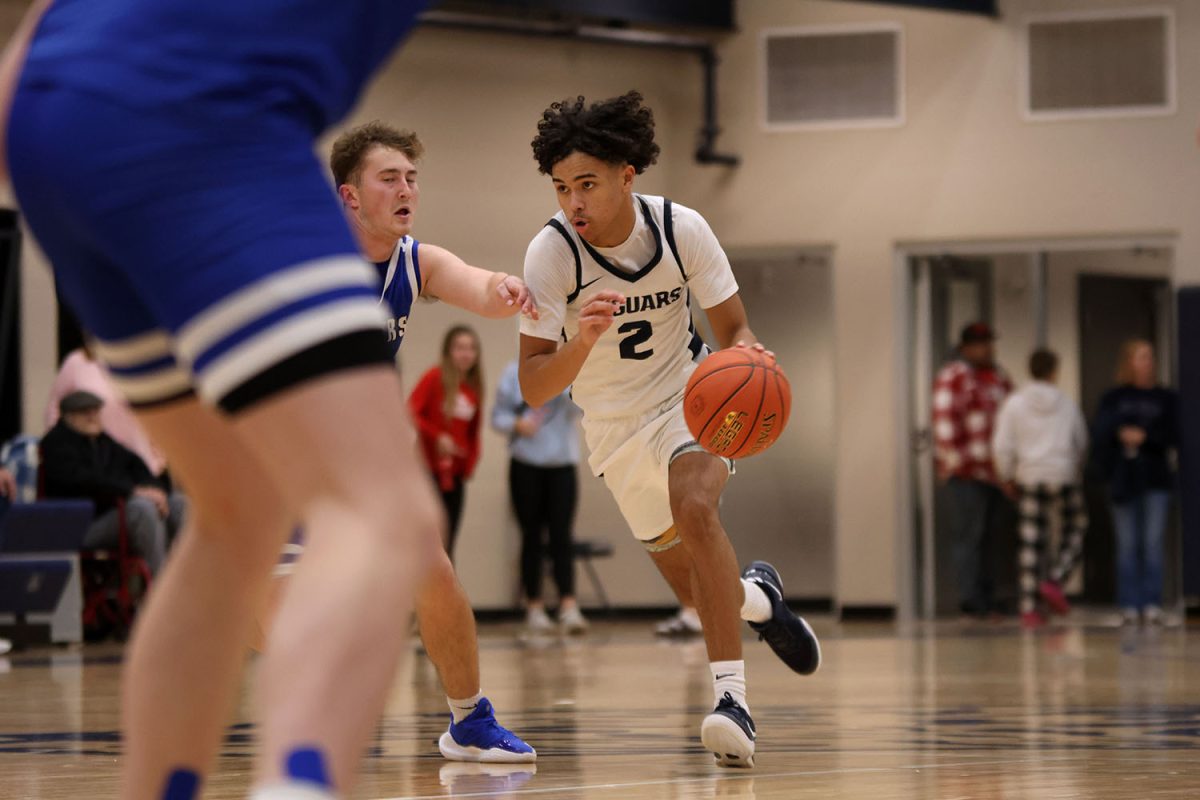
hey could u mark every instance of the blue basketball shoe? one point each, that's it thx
(786, 632)
(480, 738)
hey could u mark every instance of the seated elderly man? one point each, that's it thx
(80, 460)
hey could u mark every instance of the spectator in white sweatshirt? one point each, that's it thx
(1038, 446)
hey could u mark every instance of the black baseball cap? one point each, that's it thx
(977, 332)
(79, 401)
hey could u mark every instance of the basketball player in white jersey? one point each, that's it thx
(374, 167)
(615, 274)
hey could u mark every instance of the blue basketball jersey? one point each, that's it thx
(401, 278)
(308, 58)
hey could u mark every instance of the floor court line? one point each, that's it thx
(742, 775)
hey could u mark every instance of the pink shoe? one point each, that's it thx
(1052, 593)
(1031, 620)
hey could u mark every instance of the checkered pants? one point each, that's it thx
(1036, 505)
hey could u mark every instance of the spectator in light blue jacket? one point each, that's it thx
(544, 450)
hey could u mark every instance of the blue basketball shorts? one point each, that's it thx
(202, 249)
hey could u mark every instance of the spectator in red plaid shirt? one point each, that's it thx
(967, 395)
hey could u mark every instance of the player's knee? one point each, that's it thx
(695, 513)
(413, 523)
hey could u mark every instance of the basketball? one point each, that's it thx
(737, 402)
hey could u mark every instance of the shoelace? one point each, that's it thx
(727, 703)
(491, 731)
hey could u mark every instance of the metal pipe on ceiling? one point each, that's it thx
(706, 152)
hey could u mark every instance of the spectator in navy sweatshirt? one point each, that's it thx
(1135, 433)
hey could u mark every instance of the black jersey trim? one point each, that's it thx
(641, 273)
(558, 226)
(351, 350)
(160, 402)
(696, 344)
(669, 232)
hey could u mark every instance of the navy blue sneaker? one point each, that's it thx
(480, 738)
(729, 733)
(786, 632)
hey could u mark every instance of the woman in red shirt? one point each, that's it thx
(446, 407)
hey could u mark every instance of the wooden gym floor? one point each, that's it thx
(943, 711)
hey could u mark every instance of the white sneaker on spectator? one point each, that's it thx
(1153, 615)
(1129, 616)
(572, 621)
(684, 623)
(538, 621)
(5, 646)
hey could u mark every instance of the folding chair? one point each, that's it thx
(114, 579)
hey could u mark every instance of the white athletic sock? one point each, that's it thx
(729, 676)
(294, 790)
(756, 606)
(461, 709)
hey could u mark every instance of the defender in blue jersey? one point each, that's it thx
(374, 167)
(145, 139)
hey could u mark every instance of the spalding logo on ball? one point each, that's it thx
(737, 402)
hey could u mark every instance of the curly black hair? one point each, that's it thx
(619, 130)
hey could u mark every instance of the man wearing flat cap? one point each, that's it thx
(80, 460)
(967, 396)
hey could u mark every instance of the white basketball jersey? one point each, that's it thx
(644, 359)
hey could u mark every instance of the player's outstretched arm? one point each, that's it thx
(489, 294)
(547, 369)
(10, 69)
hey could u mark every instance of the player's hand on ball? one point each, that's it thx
(759, 347)
(596, 315)
(514, 292)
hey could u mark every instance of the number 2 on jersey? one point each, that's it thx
(639, 332)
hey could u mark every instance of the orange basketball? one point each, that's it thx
(737, 402)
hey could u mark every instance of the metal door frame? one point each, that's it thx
(909, 606)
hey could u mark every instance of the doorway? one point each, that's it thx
(1034, 295)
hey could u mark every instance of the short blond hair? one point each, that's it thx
(1124, 374)
(350, 149)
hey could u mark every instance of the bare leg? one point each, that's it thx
(448, 629)
(695, 484)
(445, 617)
(270, 610)
(188, 646)
(675, 565)
(371, 526)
